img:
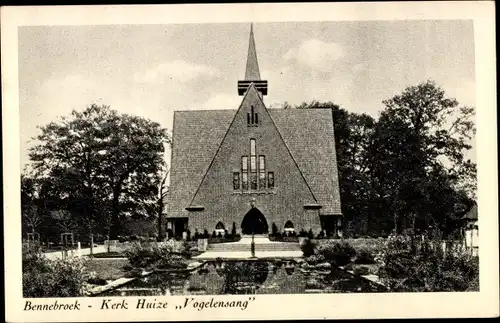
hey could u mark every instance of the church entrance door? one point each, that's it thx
(254, 222)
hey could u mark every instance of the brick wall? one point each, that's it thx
(284, 202)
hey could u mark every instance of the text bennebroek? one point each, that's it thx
(55, 306)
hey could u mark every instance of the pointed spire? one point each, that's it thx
(252, 71)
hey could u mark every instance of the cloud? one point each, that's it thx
(220, 101)
(177, 71)
(316, 54)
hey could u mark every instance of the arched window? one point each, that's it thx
(289, 230)
(219, 226)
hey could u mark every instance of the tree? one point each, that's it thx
(30, 213)
(417, 157)
(162, 195)
(407, 169)
(102, 164)
(65, 220)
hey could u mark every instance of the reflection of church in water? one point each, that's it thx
(253, 166)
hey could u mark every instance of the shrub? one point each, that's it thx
(349, 266)
(307, 247)
(139, 255)
(214, 235)
(168, 254)
(364, 256)
(233, 229)
(302, 233)
(413, 265)
(315, 259)
(310, 234)
(274, 229)
(361, 271)
(53, 278)
(339, 254)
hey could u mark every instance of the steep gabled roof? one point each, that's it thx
(308, 134)
(471, 214)
(196, 137)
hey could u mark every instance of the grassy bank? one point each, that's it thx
(109, 268)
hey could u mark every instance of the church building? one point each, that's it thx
(253, 166)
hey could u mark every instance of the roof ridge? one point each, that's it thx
(210, 110)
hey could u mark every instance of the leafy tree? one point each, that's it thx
(417, 157)
(102, 165)
(407, 169)
(65, 220)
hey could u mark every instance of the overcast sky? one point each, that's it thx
(152, 70)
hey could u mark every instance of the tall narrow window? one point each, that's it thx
(244, 183)
(252, 117)
(262, 163)
(253, 165)
(253, 181)
(253, 172)
(236, 180)
(244, 172)
(262, 172)
(244, 163)
(270, 180)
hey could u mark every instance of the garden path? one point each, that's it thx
(264, 248)
(54, 255)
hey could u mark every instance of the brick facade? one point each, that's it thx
(284, 202)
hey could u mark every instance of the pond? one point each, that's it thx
(246, 277)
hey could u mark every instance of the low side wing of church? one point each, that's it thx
(253, 166)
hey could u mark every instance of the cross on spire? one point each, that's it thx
(252, 72)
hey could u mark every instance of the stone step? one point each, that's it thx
(231, 247)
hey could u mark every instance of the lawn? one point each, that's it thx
(108, 269)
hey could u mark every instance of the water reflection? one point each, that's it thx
(245, 277)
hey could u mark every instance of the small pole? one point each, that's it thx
(91, 244)
(252, 246)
